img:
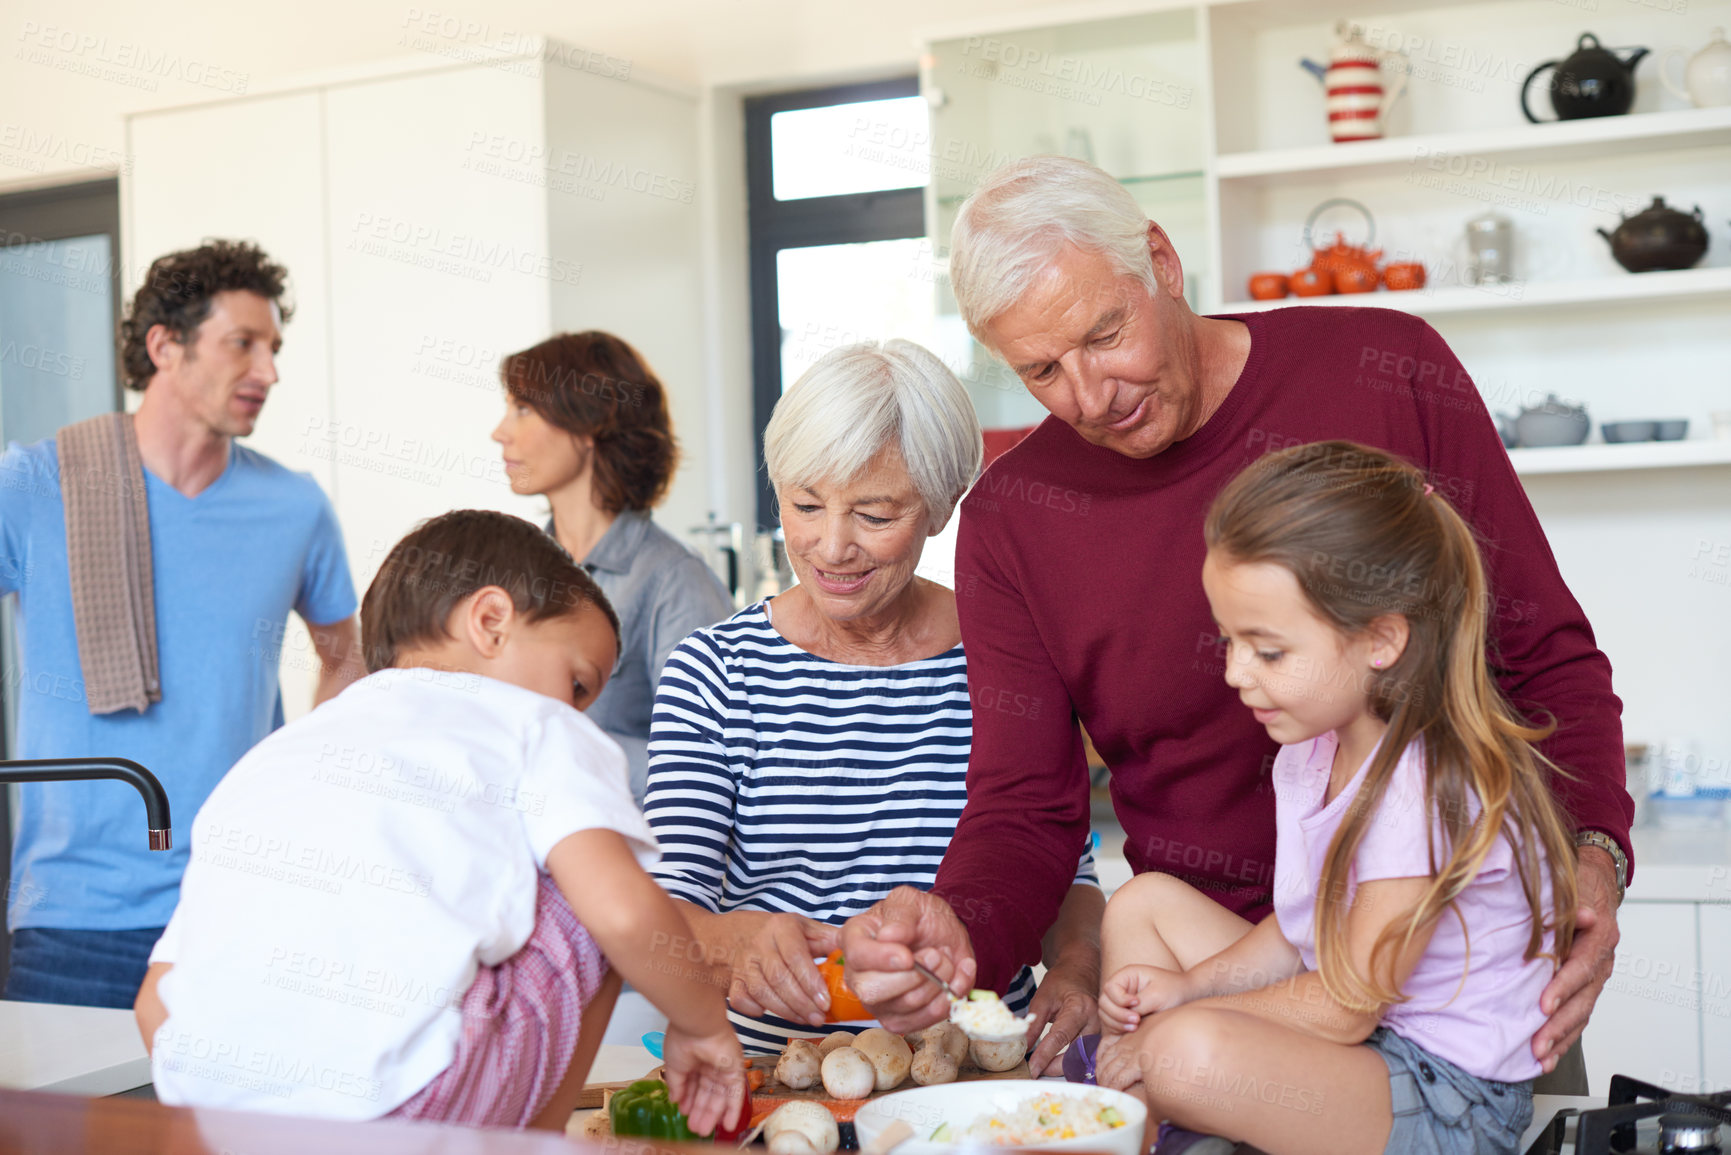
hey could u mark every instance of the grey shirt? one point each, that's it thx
(661, 591)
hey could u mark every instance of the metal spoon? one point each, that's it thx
(1017, 1035)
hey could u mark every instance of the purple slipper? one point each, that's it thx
(1079, 1060)
(1177, 1141)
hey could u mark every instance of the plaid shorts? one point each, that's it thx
(520, 1025)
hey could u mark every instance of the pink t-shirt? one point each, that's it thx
(1485, 1025)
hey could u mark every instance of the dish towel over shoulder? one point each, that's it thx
(108, 558)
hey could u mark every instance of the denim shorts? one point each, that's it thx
(1439, 1109)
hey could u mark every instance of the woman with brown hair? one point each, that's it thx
(586, 426)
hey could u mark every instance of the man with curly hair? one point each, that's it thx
(231, 542)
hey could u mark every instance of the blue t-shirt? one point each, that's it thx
(229, 565)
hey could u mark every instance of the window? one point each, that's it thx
(836, 186)
(59, 305)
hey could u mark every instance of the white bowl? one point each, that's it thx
(959, 1104)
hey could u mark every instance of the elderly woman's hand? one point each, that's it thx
(773, 971)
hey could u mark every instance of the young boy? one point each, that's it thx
(408, 902)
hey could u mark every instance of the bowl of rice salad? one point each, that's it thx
(1047, 1114)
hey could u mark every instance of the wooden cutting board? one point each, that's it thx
(774, 1090)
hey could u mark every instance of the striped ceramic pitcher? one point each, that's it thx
(1353, 80)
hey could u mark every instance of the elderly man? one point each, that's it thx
(1078, 568)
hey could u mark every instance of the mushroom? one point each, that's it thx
(933, 1065)
(997, 1056)
(801, 1127)
(833, 1040)
(890, 1056)
(946, 1037)
(847, 1074)
(798, 1066)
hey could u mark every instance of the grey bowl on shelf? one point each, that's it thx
(1620, 432)
(1674, 429)
(1539, 430)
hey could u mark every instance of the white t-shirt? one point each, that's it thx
(351, 873)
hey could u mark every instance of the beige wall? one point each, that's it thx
(71, 69)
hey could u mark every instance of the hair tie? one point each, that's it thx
(1429, 489)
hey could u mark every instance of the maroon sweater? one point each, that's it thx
(1078, 576)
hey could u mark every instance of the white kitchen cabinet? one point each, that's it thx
(1647, 1022)
(1716, 995)
(434, 216)
(244, 170)
(248, 170)
(426, 256)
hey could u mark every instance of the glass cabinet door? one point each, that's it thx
(1124, 93)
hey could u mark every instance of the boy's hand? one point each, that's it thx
(1136, 991)
(705, 1076)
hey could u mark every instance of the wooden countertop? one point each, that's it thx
(35, 1123)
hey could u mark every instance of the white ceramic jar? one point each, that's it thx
(1706, 75)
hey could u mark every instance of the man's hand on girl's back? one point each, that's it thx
(1574, 989)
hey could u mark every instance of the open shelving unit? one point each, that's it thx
(1639, 455)
(1623, 289)
(1234, 154)
(1605, 136)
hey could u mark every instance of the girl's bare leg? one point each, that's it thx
(595, 1016)
(1224, 1072)
(1157, 920)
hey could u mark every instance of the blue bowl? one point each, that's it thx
(1620, 432)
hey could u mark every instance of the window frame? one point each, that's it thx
(852, 218)
(35, 216)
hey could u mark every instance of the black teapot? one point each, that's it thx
(1658, 237)
(1592, 82)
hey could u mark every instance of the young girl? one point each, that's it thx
(1423, 876)
(409, 902)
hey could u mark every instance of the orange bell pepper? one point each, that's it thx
(844, 1005)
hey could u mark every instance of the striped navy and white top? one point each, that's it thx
(783, 781)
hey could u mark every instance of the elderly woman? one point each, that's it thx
(809, 754)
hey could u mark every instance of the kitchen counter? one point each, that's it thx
(72, 1050)
(1681, 865)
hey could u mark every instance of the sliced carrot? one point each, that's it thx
(754, 1078)
(844, 1109)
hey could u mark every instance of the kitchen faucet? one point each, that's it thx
(82, 769)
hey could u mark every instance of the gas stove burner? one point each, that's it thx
(1636, 1115)
(1688, 1133)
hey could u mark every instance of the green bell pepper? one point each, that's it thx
(644, 1111)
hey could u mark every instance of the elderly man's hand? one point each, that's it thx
(1068, 999)
(881, 945)
(1573, 990)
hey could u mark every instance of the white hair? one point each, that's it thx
(1015, 223)
(860, 399)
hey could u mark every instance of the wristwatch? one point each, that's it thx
(1609, 845)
